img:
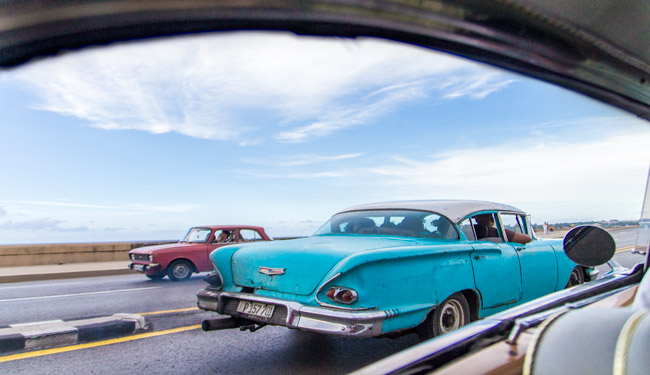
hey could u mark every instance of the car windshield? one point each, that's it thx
(197, 235)
(407, 223)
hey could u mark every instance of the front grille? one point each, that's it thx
(144, 257)
(279, 313)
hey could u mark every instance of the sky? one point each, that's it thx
(140, 141)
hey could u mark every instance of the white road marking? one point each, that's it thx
(78, 294)
(40, 285)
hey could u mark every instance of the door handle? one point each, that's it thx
(479, 257)
(519, 248)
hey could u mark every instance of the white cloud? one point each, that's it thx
(252, 142)
(541, 173)
(220, 87)
(46, 224)
(384, 101)
(302, 160)
(126, 207)
(477, 85)
(299, 175)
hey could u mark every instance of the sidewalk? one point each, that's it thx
(63, 271)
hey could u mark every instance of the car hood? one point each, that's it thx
(305, 262)
(159, 248)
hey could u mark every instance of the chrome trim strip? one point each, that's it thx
(320, 288)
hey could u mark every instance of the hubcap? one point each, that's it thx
(575, 277)
(451, 316)
(180, 271)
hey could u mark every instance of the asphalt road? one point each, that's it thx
(169, 305)
(107, 295)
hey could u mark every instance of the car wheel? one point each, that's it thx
(156, 277)
(577, 277)
(179, 270)
(452, 314)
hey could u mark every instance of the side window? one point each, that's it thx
(466, 226)
(485, 228)
(249, 235)
(218, 236)
(515, 223)
(512, 222)
(221, 236)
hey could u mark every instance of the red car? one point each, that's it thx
(180, 260)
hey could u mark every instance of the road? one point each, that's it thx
(271, 350)
(168, 306)
(74, 298)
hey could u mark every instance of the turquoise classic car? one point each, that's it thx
(390, 268)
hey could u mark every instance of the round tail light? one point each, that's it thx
(344, 295)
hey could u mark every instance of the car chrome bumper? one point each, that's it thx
(592, 274)
(145, 268)
(296, 315)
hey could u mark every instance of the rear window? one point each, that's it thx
(405, 223)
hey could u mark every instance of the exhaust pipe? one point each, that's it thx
(217, 324)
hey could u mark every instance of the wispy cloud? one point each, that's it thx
(544, 171)
(133, 208)
(251, 142)
(298, 175)
(224, 87)
(2, 211)
(383, 101)
(475, 85)
(302, 160)
(46, 224)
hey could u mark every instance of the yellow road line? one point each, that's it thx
(169, 311)
(71, 348)
(624, 249)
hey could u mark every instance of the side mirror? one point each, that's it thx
(589, 246)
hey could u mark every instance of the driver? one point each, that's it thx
(485, 228)
(223, 236)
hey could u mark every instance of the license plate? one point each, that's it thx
(262, 310)
(138, 267)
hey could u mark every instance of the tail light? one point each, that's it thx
(341, 294)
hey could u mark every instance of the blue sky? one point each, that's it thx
(143, 140)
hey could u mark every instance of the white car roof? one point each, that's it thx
(455, 210)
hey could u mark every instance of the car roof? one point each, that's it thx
(455, 210)
(229, 227)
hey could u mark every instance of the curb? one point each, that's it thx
(49, 334)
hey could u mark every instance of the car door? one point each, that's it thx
(497, 272)
(537, 259)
